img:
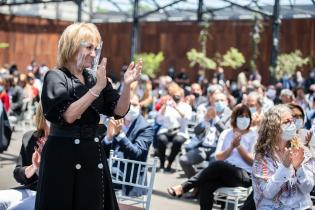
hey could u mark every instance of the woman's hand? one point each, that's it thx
(297, 157)
(237, 140)
(36, 159)
(133, 72)
(101, 79)
(114, 128)
(286, 157)
(308, 138)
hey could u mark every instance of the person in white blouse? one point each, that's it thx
(234, 157)
(283, 175)
(173, 118)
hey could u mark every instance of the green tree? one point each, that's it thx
(151, 62)
(4, 45)
(289, 62)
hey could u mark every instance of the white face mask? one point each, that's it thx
(242, 122)
(253, 110)
(133, 113)
(288, 131)
(299, 123)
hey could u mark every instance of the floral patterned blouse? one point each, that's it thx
(278, 187)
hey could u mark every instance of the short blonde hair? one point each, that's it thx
(71, 39)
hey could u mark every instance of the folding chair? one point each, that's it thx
(132, 203)
(232, 195)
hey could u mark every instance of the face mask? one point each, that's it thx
(133, 113)
(299, 123)
(48, 123)
(312, 75)
(80, 61)
(1, 88)
(176, 99)
(196, 95)
(271, 93)
(219, 106)
(253, 110)
(288, 131)
(242, 122)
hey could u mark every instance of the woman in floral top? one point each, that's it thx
(283, 176)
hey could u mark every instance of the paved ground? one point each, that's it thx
(160, 199)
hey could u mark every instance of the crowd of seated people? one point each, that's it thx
(163, 109)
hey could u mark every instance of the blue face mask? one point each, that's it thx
(219, 106)
(1, 88)
(253, 110)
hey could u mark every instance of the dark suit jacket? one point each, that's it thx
(135, 146)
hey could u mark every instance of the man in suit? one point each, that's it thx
(130, 138)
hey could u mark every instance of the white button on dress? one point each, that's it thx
(96, 139)
(77, 141)
(100, 165)
(78, 166)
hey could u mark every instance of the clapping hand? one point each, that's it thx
(133, 72)
(36, 159)
(308, 138)
(286, 157)
(101, 79)
(297, 157)
(237, 140)
(114, 128)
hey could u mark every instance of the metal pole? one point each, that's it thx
(275, 39)
(135, 29)
(200, 11)
(79, 3)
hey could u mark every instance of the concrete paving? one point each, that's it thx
(160, 199)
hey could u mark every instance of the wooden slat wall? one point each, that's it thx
(34, 38)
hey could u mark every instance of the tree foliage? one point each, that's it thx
(151, 62)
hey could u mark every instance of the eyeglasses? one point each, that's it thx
(90, 46)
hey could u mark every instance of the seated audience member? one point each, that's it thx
(173, 118)
(283, 169)
(286, 96)
(298, 115)
(219, 113)
(255, 102)
(130, 138)
(196, 91)
(233, 165)
(26, 170)
(201, 146)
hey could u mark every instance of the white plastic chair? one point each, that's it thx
(232, 195)
(147, 183)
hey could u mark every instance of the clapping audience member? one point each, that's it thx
(173, 117)
(233, 165)
(283, 169)
(130, 138)
(26, 169)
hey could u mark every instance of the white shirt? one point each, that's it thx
(172, 119)
(248, 142)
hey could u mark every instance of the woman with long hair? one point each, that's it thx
(283, 169)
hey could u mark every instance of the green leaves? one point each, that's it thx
(233, 58)
(200, 58)
(4, 45)
(289, 63)
(151, 62)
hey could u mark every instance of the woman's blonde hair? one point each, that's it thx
(71, 39)
(40, 120)
(270, 131)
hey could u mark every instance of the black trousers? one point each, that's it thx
(163, 140)
(218, 174)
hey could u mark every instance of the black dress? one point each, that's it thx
(74, 174)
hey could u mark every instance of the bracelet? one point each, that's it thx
(94, 94)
